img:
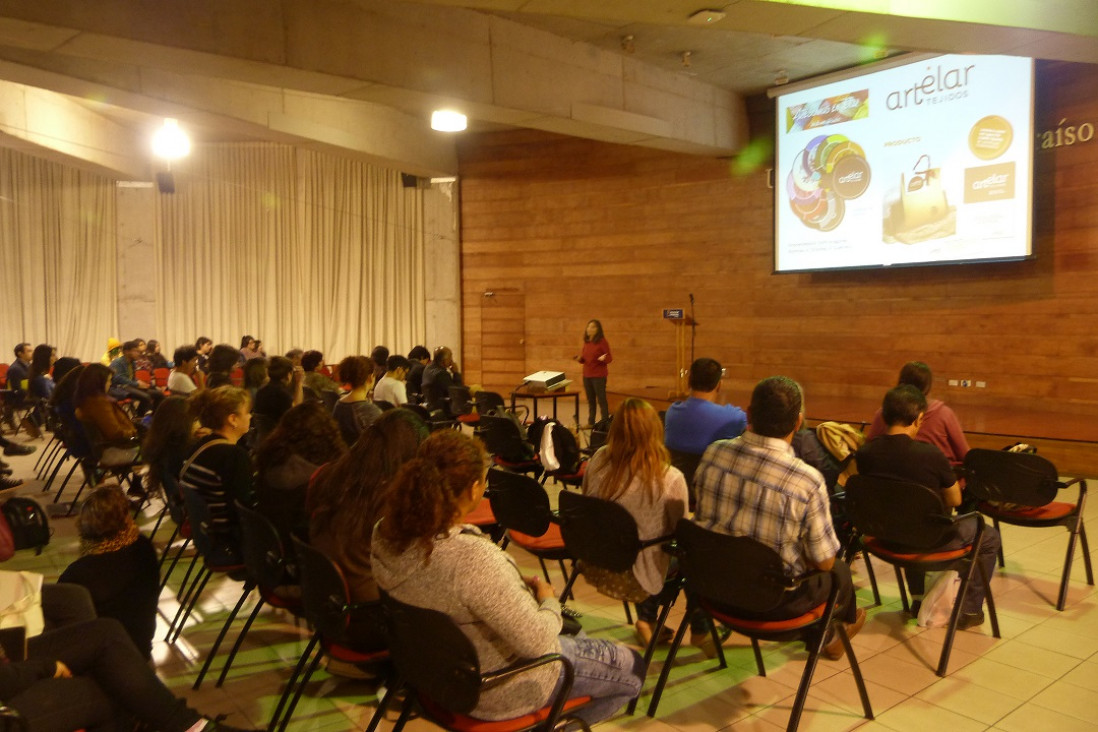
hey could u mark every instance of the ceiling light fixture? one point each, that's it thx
(628, 44)
(170, 142)
(447, 120)
(706, 17)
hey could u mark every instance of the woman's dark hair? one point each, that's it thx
(244, 341)
(256, 371)
(153, 346)
(106, 513)
(311, 360)
(223, 358)
(355, 370)
(279, 367)
(184, 354)
(418, 353)
(65, 391)
(202, 340)
(424, 499)
(917, 374)
(172, 427)
(598, 332)
(92, 382)
(346, 495)
(40, 361)
(307, 430)
(62, 367)
(212, 407)
(379, 355)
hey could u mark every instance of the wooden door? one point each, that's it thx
(503, 341)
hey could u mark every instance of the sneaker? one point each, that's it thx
(30, 428)
(834, 650)
(14, 448)
(970, 620)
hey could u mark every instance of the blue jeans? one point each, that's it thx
(610, 673)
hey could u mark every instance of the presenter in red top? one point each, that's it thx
(595, 357)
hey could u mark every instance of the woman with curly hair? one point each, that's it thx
(633, 469)
(117, 565)
(424, 556)
(305, 439)
(354, 411)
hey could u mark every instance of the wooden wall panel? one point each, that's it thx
(591, 230)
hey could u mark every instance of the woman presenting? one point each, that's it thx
(595, 358)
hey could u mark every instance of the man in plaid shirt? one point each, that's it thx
(755, 486)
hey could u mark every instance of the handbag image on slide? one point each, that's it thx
(922, 200)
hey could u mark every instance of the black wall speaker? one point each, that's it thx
(165, 182)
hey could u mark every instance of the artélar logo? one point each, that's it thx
(938, 85)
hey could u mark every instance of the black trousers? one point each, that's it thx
(111, 684)
(595, 387)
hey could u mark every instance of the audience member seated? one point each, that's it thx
(418, 358)
(256, 375)
(391, 387)
(114, 350)
(940, 427)
(18, 373)
(354, 412)
(423, 556)
(295, 355)
(142, 362)
(95, 406)
(40, 384)
(156, 358)
(438, 377)
(184, 378)
(306, 438)
(312, 362)
(282, 390)
(633, 469)
(250, 348)
(345, 498)
(125, 384)
(203, 346)
(168, 443)
(223, 359)
(897, 454)
(118, 565)
(754, 486)
(692, 424)
(218, 469)
(380, 358)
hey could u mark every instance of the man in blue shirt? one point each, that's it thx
(692, 425)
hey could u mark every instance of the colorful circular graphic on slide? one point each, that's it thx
(830, 170)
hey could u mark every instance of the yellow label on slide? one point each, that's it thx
(990, 137)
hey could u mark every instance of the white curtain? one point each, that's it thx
(294, 247)
(57, 256)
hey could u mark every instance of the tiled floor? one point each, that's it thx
(1042, 674)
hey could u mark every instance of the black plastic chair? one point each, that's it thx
(438, 667)
(326, 602)
(737, 580)
(268, 566)
(503, 440)
(491, 403)
(521, 506)
(603, 534)
(1021, 489)
(461, 405)
(434, 420)
(687, 462)
(905, 524)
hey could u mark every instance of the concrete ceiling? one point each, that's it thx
(87, 83)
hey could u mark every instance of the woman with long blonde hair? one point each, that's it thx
(633, 469)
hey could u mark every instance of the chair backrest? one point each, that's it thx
(598, 532)
(460, 401)
(490, 402)
(262, 425)
(161, 375)
(432, 655)
(325, 596)
(1013, 477)
(219, 549)
(734, 571)
(897, 511)
(519, 502)
(502, 437)
(237, 376)
(173, 497)
(143, 375)
(687, 462)
(600, 432)
(264, 555)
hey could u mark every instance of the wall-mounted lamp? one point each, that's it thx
(447, 120)
(170, 142)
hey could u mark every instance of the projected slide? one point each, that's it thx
(923, 163)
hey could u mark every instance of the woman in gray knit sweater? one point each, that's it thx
(423, 556)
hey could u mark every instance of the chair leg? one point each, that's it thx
(1002, 557)
(187, 606)
(628, 613)
(568, 585)
(716, 642)
(856, 670)
(302, 683)
(758, 657)
(544, 571)
(248, 587)
(1086, 551)
(65, 482)
(187, 576)
(291, 683)
(665, 672)
(872, 578)
(239, 642)
(383, 705)
(175, 560)
(650, 649)
(955, 613)
(901, 580)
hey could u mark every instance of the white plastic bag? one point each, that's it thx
(21, 601)
(938, 601)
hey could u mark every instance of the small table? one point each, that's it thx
(524, 392)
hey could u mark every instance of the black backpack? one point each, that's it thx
(30, 528)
